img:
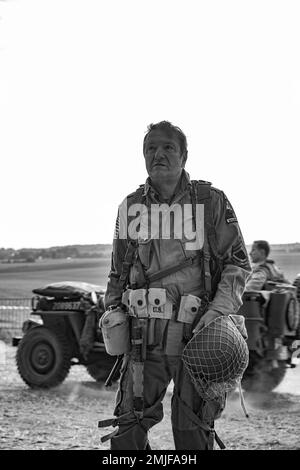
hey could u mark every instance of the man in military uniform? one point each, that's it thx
(263, 269)
(174, 286)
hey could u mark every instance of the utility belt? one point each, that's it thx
(153, 303)
(165, 324)
(169, 325)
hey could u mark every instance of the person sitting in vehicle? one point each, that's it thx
(263, 269)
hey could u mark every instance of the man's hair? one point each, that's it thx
(168, 128)
(263, 245)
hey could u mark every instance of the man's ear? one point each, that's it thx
(262, 253)
(184, 159)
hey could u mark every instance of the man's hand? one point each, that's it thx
(205, 319)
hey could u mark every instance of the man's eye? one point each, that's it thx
(169, 147)
(150, 148)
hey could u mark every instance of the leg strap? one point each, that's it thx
(129, 418)
(195, 419)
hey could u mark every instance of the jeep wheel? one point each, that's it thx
(259, 377)
(43, 358)
(100, 370)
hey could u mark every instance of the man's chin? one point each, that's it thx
(159, 170)
(159, 167)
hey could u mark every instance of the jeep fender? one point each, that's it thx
(29, 324)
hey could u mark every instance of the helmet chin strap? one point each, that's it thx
(243, 404)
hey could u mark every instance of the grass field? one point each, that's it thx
(289, 263)
(18, 280)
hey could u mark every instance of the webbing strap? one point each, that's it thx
(203, 197)
(109, 436)
(129, 418)
(113, 421)
(128, 259)
(136, 197)
(173, 269)
(201, 194)
(138, 337)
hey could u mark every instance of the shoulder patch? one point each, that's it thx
(240, 256)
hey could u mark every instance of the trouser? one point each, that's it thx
(192, 418)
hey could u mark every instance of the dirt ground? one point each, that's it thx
(66, 417)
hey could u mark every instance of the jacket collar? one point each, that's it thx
(182, 185)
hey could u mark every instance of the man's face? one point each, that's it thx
(257, 255)
(163, 155)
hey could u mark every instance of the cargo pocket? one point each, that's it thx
(124, 395)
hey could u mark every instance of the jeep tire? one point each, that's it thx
(43, 357)
(260, 377)
(100, 369)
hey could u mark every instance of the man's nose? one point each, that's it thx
(159, 153)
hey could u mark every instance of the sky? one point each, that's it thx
(81, 80)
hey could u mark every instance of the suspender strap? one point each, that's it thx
(128, 259)
(201, 195)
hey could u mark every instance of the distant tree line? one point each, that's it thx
(30, 255)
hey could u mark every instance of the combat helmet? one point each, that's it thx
(216, 358)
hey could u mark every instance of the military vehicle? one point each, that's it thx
(273, 325)
(62, 331)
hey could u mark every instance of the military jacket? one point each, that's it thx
(162, 244)
(263, 272)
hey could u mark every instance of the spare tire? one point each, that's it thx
(296, 283)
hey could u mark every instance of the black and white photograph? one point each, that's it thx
(150, 228)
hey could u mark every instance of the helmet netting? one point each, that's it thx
(216, 358)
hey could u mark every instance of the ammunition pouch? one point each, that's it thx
(188, 309)
(151, 303)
